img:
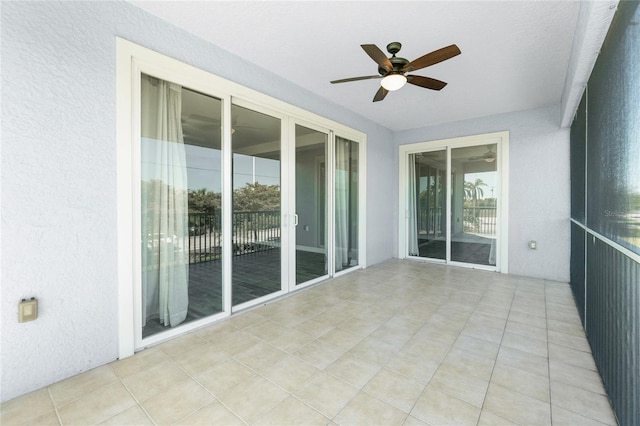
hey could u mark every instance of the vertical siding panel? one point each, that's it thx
(577, 268)
(613, 325)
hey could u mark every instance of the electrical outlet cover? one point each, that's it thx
(27, 310)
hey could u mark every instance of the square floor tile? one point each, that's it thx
(476, 346)
(138, 362)
(289, 372)
(527, 330)
(437, 408)
(133, 416)
(212, 414)
(177, 402)
(524, 361)
(293, 412)
(24, 409)
(200, 358)
(82, 384)
(319, 354)
(365, 409)
(224, 376)
(153, 381)
(521, 381)
(413, 366)
(449, 380)
(469, 364)
(326, 393)
(516, 407)
(97, 406)
(291, 340)
(253, 398)
(525, 344)
(259, 355)
(353, 370)
(487, 418)
(572, 356)
(569, 340)
(576, 376)
(395, 389)
(562, 417)
(588, 404)
(181, 344)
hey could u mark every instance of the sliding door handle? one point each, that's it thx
(295, 219)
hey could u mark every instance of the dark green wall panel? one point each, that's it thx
(613, 132)
(605, 136)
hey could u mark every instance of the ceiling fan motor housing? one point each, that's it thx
(394, 47)
(398, 65)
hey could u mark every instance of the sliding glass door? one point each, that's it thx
(452, 200)
(216, 233)
(310, 220)
(347, 195)
(474, 199)
(180, 188)
(427, 198)
(256, 208)
(227, 198)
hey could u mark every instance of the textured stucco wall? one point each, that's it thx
(58, 175)
(539, 204)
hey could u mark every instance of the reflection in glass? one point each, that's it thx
(311, 194)
(180, 205)
(427, 190)
(474, 204)
(256, 205)
(346, 204)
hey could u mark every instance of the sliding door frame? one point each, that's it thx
(131, 61)
(292, 203)
(501, 139)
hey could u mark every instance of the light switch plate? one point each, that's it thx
(27, 310)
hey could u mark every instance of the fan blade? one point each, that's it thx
(432, 58)
(426, 82)
(346, 80)
(378, 56)
(380, 94)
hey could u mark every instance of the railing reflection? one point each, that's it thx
(252, 232)
(430, 221)
(480, 220)
(477, 220)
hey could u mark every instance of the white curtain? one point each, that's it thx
(342, 203)
(412, 194)
(164, 193)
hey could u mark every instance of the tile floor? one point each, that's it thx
(401, 343)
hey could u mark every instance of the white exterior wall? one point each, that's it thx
(539, 191)
(58, 176)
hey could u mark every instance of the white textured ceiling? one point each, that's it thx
(515, 54)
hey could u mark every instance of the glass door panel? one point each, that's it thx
(427, 204)
(181, 243)
(474, 204)
(311, 204)
(346, 204)
(256, 211)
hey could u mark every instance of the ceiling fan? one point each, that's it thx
(488, 156)
(393, 71)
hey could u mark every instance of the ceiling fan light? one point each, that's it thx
(393, 82)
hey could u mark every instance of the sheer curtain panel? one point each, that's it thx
(164, 202)
(412, 233)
